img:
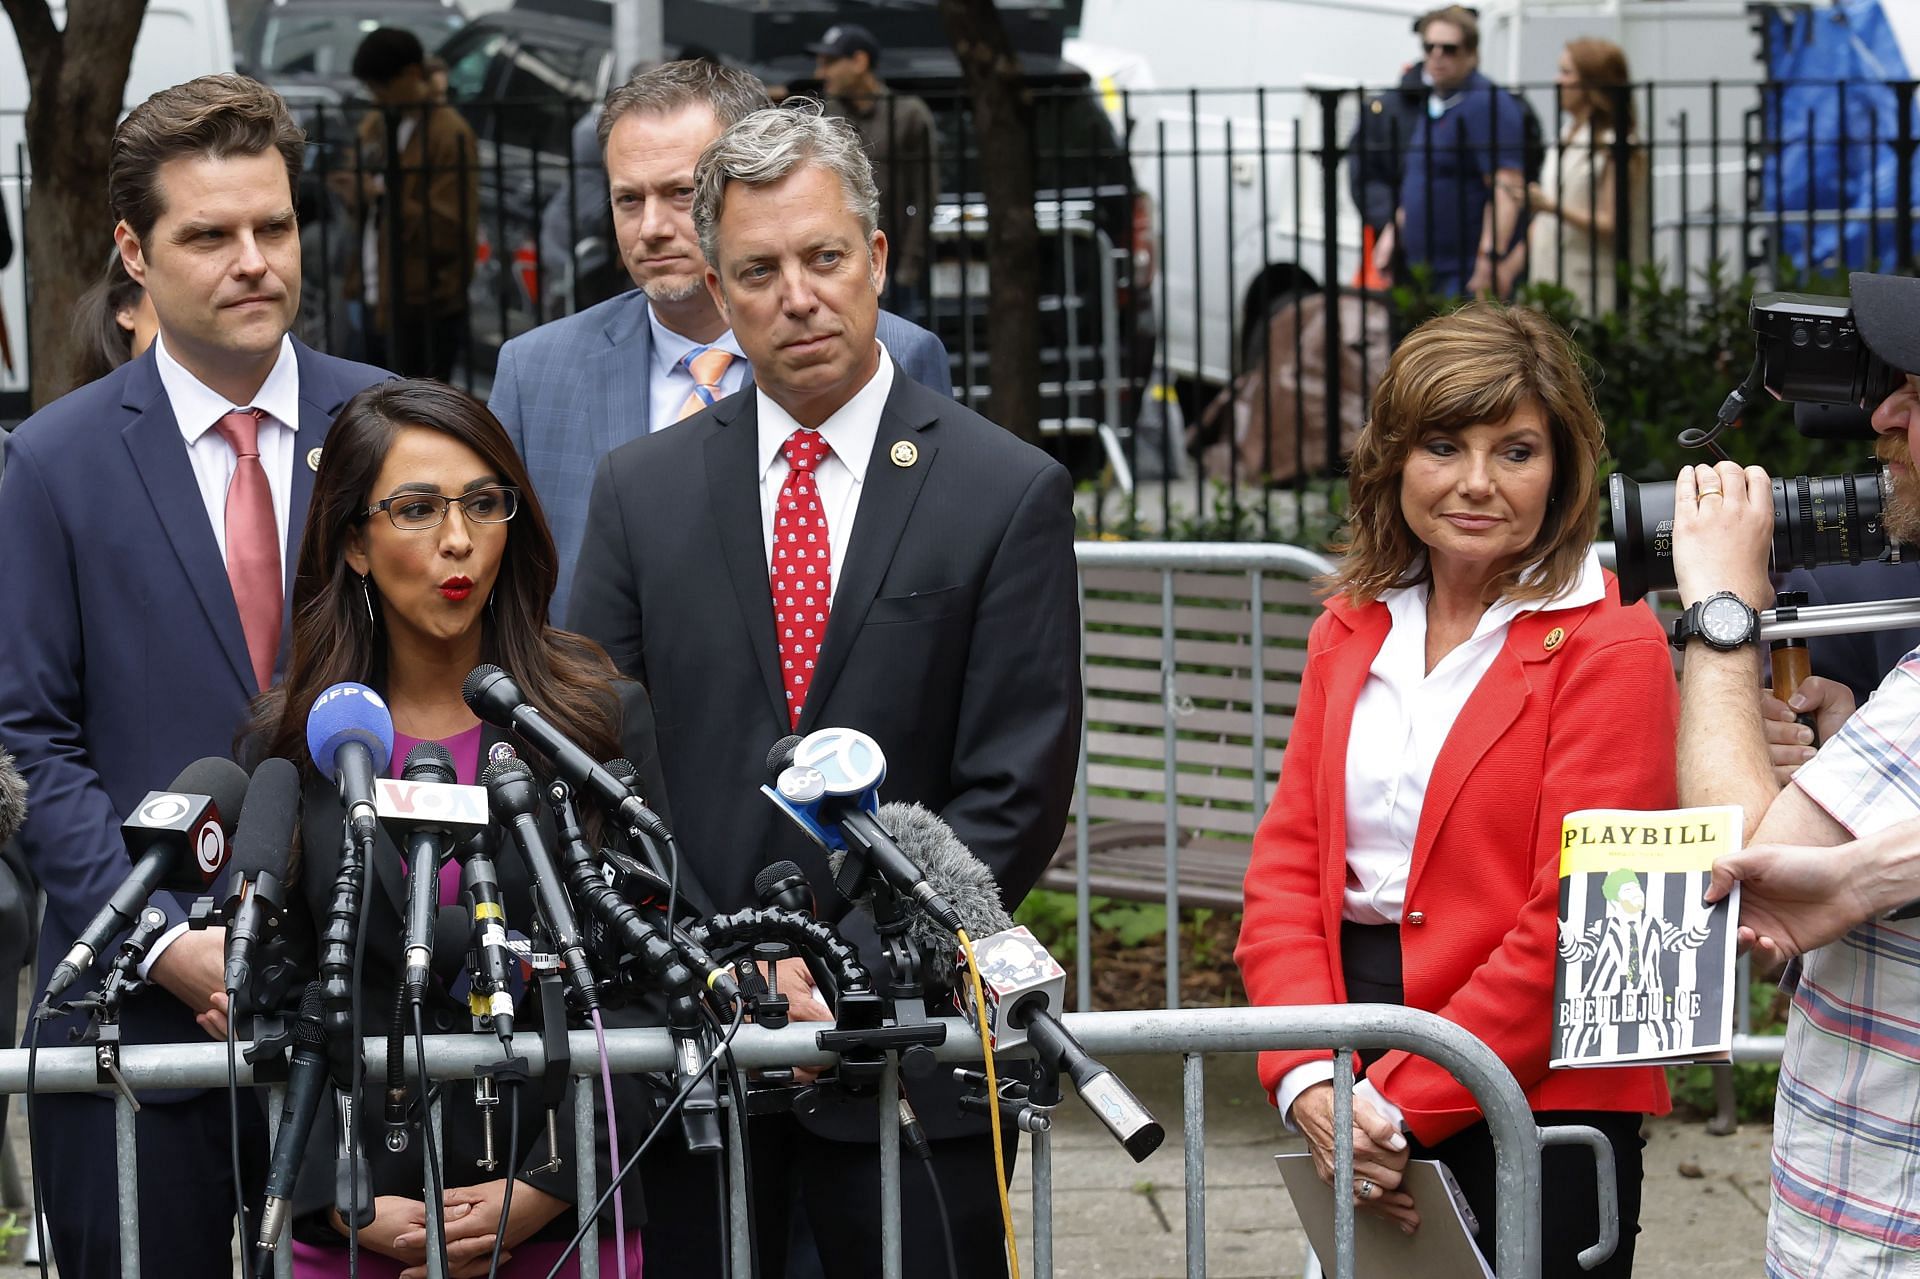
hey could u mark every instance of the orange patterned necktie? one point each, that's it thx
(253, 543)
(802, 569)
(708, 366)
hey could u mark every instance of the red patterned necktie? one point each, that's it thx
(802, 569)
(253, 543)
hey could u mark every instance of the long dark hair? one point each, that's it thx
(334, 636)
(101, 345)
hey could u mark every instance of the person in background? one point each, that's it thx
(414, 190)
(1463, 187)
(1379, 155)
(438, 92)
(114, 323)
(903, 144)
(660, 351)
(1473, 679)
(1573, 237)
(426, 554)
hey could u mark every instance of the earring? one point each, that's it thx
(366, 597)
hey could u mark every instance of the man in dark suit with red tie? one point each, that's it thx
(835, 546)
(149, 522)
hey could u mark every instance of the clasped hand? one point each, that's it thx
(472, 1216)
(1379, 1153)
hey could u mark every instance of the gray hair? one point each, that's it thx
(730, 93)
(769, 145)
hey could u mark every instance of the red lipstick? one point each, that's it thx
(457, 588)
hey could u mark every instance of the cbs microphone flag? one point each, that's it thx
(1644, 969)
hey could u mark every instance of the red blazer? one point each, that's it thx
(1587, 720)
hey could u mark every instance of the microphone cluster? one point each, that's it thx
(938, 908)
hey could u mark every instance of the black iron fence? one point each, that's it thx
(1217, 300)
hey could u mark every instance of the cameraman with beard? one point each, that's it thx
(1833, 854)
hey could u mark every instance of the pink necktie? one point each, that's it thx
(707, 367)
(253, 543)
(802, 569)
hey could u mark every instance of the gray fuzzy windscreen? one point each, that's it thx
(13, 798)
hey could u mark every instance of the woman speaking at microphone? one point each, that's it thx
(426, 554)
(1472, 680)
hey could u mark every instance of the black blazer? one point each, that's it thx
(953, 641)
(385, 883)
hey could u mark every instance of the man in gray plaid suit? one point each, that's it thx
(571, 391)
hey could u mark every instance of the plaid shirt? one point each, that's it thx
(1846, 1138)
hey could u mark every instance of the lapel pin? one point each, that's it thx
(500, 750)
(904, 453)
(1555, 638)
(313, 459)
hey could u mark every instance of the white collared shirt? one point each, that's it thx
(197, 406)
(670, 382)
(1400, 721)
(850, 433)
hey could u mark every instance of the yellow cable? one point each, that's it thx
(993, 1103)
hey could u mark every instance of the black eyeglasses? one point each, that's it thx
(417, 512)
(1433, 47)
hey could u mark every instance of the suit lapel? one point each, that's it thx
(623, 371)
(886, 501)
(160, 458)
(320, 402)
(1489, 712)
(733, 495)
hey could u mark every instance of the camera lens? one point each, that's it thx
(1820, 519)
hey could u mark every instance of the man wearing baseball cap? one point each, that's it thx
(898, 131)
(1830, 857)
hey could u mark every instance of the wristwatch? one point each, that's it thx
(1723, 620)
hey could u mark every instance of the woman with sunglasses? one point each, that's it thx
(426, 554)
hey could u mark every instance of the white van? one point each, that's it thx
(179, 39)
(1235, 174)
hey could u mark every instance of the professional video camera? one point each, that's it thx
(1834, 362)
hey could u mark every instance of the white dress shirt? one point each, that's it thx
(1400, 721)
(196, 407)
(670, 382)
(850, 433)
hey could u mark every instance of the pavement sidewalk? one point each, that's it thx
(1114, 1219)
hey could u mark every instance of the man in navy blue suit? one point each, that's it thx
(572, 391)
(149, 522)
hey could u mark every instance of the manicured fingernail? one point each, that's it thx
(1798, 701)
(1397, 1142)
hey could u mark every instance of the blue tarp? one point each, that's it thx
(1831, 121)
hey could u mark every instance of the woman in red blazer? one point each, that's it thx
(1473, 679)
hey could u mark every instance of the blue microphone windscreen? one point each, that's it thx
(349, 712)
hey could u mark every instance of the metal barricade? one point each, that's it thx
(1191, 1033)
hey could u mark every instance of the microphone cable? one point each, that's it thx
(659, 1126)
(435, 1191)
(993, 1103)
(506, 1195)
(368, 845)
(613, 1139)
(33, 1138)
(248, 1256)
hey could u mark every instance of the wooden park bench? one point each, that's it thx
(1170, 666)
